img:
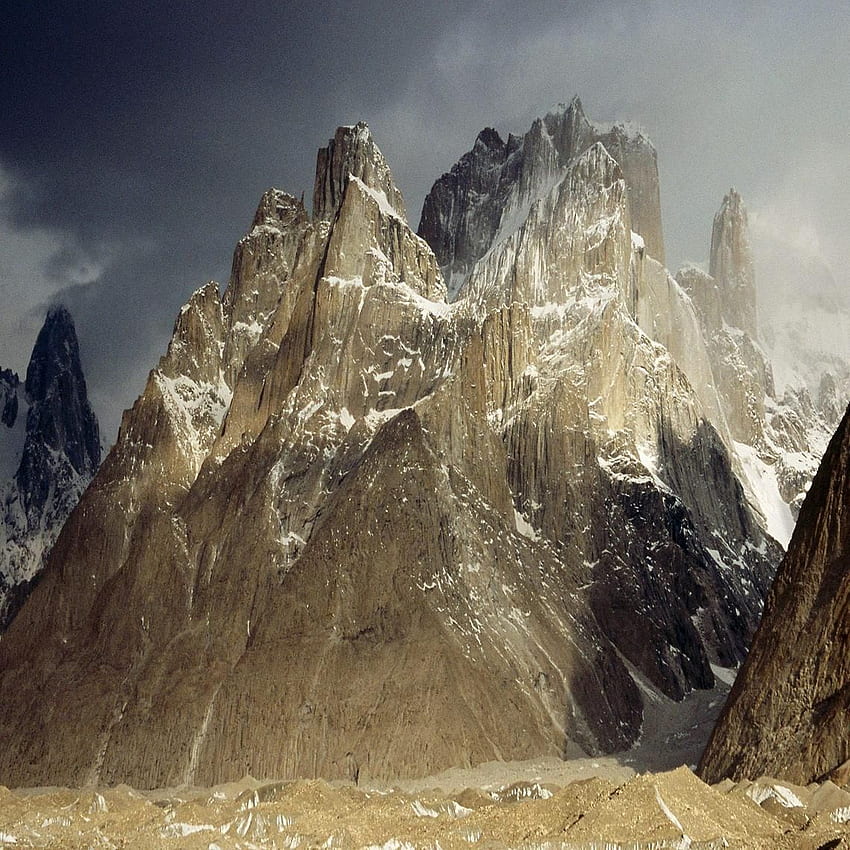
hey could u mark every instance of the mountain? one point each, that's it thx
(351, 529)
(776, 430)
(49, 451)
(488, 193)
(787, 713)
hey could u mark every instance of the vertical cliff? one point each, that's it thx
(787, 714)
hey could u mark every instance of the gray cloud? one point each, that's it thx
(136, 141)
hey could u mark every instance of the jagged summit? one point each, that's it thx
(782, 425)
(278, 209)
(342, 507)
(60, 418)
(51, 440)
(491, 188)
(731, 264)
(9, 383)
(490, 139)
(352, 152)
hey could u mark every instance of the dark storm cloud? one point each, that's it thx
(136, 139)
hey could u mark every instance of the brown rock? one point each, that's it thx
(788, 712)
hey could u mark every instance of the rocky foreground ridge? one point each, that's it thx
(668, 810)
(789, 710)
(49, 451)
(351, 529)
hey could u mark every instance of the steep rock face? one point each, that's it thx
(777, 429)
(740, 373)
(379, 534)
(9, 383)
(488, 192)
(731, 264)
(787, 713)
(650, 486)
(352, 152)
(725, 300)
(50, 449)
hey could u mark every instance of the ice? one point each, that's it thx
(380, 198)
(346, 418)
(762, 485)
(784, 796)
(422, 811)
(181, 830)
(668, 813)
(524, 527)
(724, 674)
(638, 244)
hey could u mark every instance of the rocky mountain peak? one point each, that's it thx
(278, 209)
(49, 449)
(569, 129)
(731, 264)
(9, 383)
(55, 351)
(516, 503)
(60, 417)
(352, 152)
(490, 139)
(491, 188)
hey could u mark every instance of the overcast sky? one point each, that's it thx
(136, 138)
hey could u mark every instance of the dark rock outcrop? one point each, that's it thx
(788, 712)
(55, 454)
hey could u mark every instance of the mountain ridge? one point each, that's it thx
(351, 529)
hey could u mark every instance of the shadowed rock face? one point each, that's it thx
(60, 419)
(351, 530)
(59, 454)
(787, 714)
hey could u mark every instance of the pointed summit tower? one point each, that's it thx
(731, 264)
(51, 438)
(352, 152)
(492, 187)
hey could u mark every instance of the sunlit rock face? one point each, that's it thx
(787, 713)
(778, 429)
(49, 451)
(350, 529)
(731, 264)
(487, 194)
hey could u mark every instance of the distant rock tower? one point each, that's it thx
(51, 442)
(731, 264)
